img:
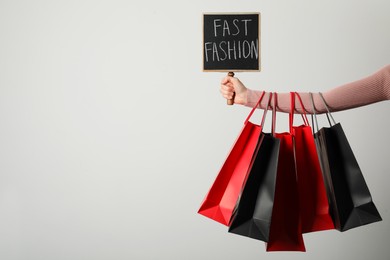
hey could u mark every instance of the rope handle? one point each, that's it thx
(328, 114)
(293, 96)
(254, 108)
(275, 104)
(314, 115)
(265, 111)
(304, 115)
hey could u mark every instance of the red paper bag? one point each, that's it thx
(285, 231)
(314, 205)
(223, 194)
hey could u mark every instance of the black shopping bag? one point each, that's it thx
(252, 216)
(253, 212)
(349, 197)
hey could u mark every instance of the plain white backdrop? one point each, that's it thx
(111, 135)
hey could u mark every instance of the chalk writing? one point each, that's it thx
(231, 42)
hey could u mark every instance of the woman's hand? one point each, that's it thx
(231, 85)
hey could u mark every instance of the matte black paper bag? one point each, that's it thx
(252, 214)
(349, 197)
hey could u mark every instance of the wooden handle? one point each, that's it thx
(231, 101)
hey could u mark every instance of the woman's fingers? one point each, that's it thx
(227, 91)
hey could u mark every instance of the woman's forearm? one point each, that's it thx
(372, 89)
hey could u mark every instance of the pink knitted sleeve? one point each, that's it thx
(372, 89)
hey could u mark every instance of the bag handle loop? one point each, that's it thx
(314, 115)
(292, 109)
(275, 103)
(327, 109)
(254, 108)
(293, 96)
(304, 115)
(265, 111)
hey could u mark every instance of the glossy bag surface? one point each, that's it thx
(221, 198)
(253, 213)
(268, 208)
(314, 206)
(286, 227)
(350, 199)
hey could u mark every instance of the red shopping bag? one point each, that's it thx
(223, 194)
(314, 205)
(285, 230)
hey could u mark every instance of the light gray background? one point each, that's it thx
(110, 134)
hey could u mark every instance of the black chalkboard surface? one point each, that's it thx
(231, 42)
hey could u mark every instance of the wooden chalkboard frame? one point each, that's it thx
(231, 69)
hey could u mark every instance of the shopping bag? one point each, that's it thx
(267, 209)
(286, 229)
(350, 199)
(252, 216)
(253, 212)
(221, 198)
(313, 201)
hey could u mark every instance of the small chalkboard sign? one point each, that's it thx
(231, 42)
